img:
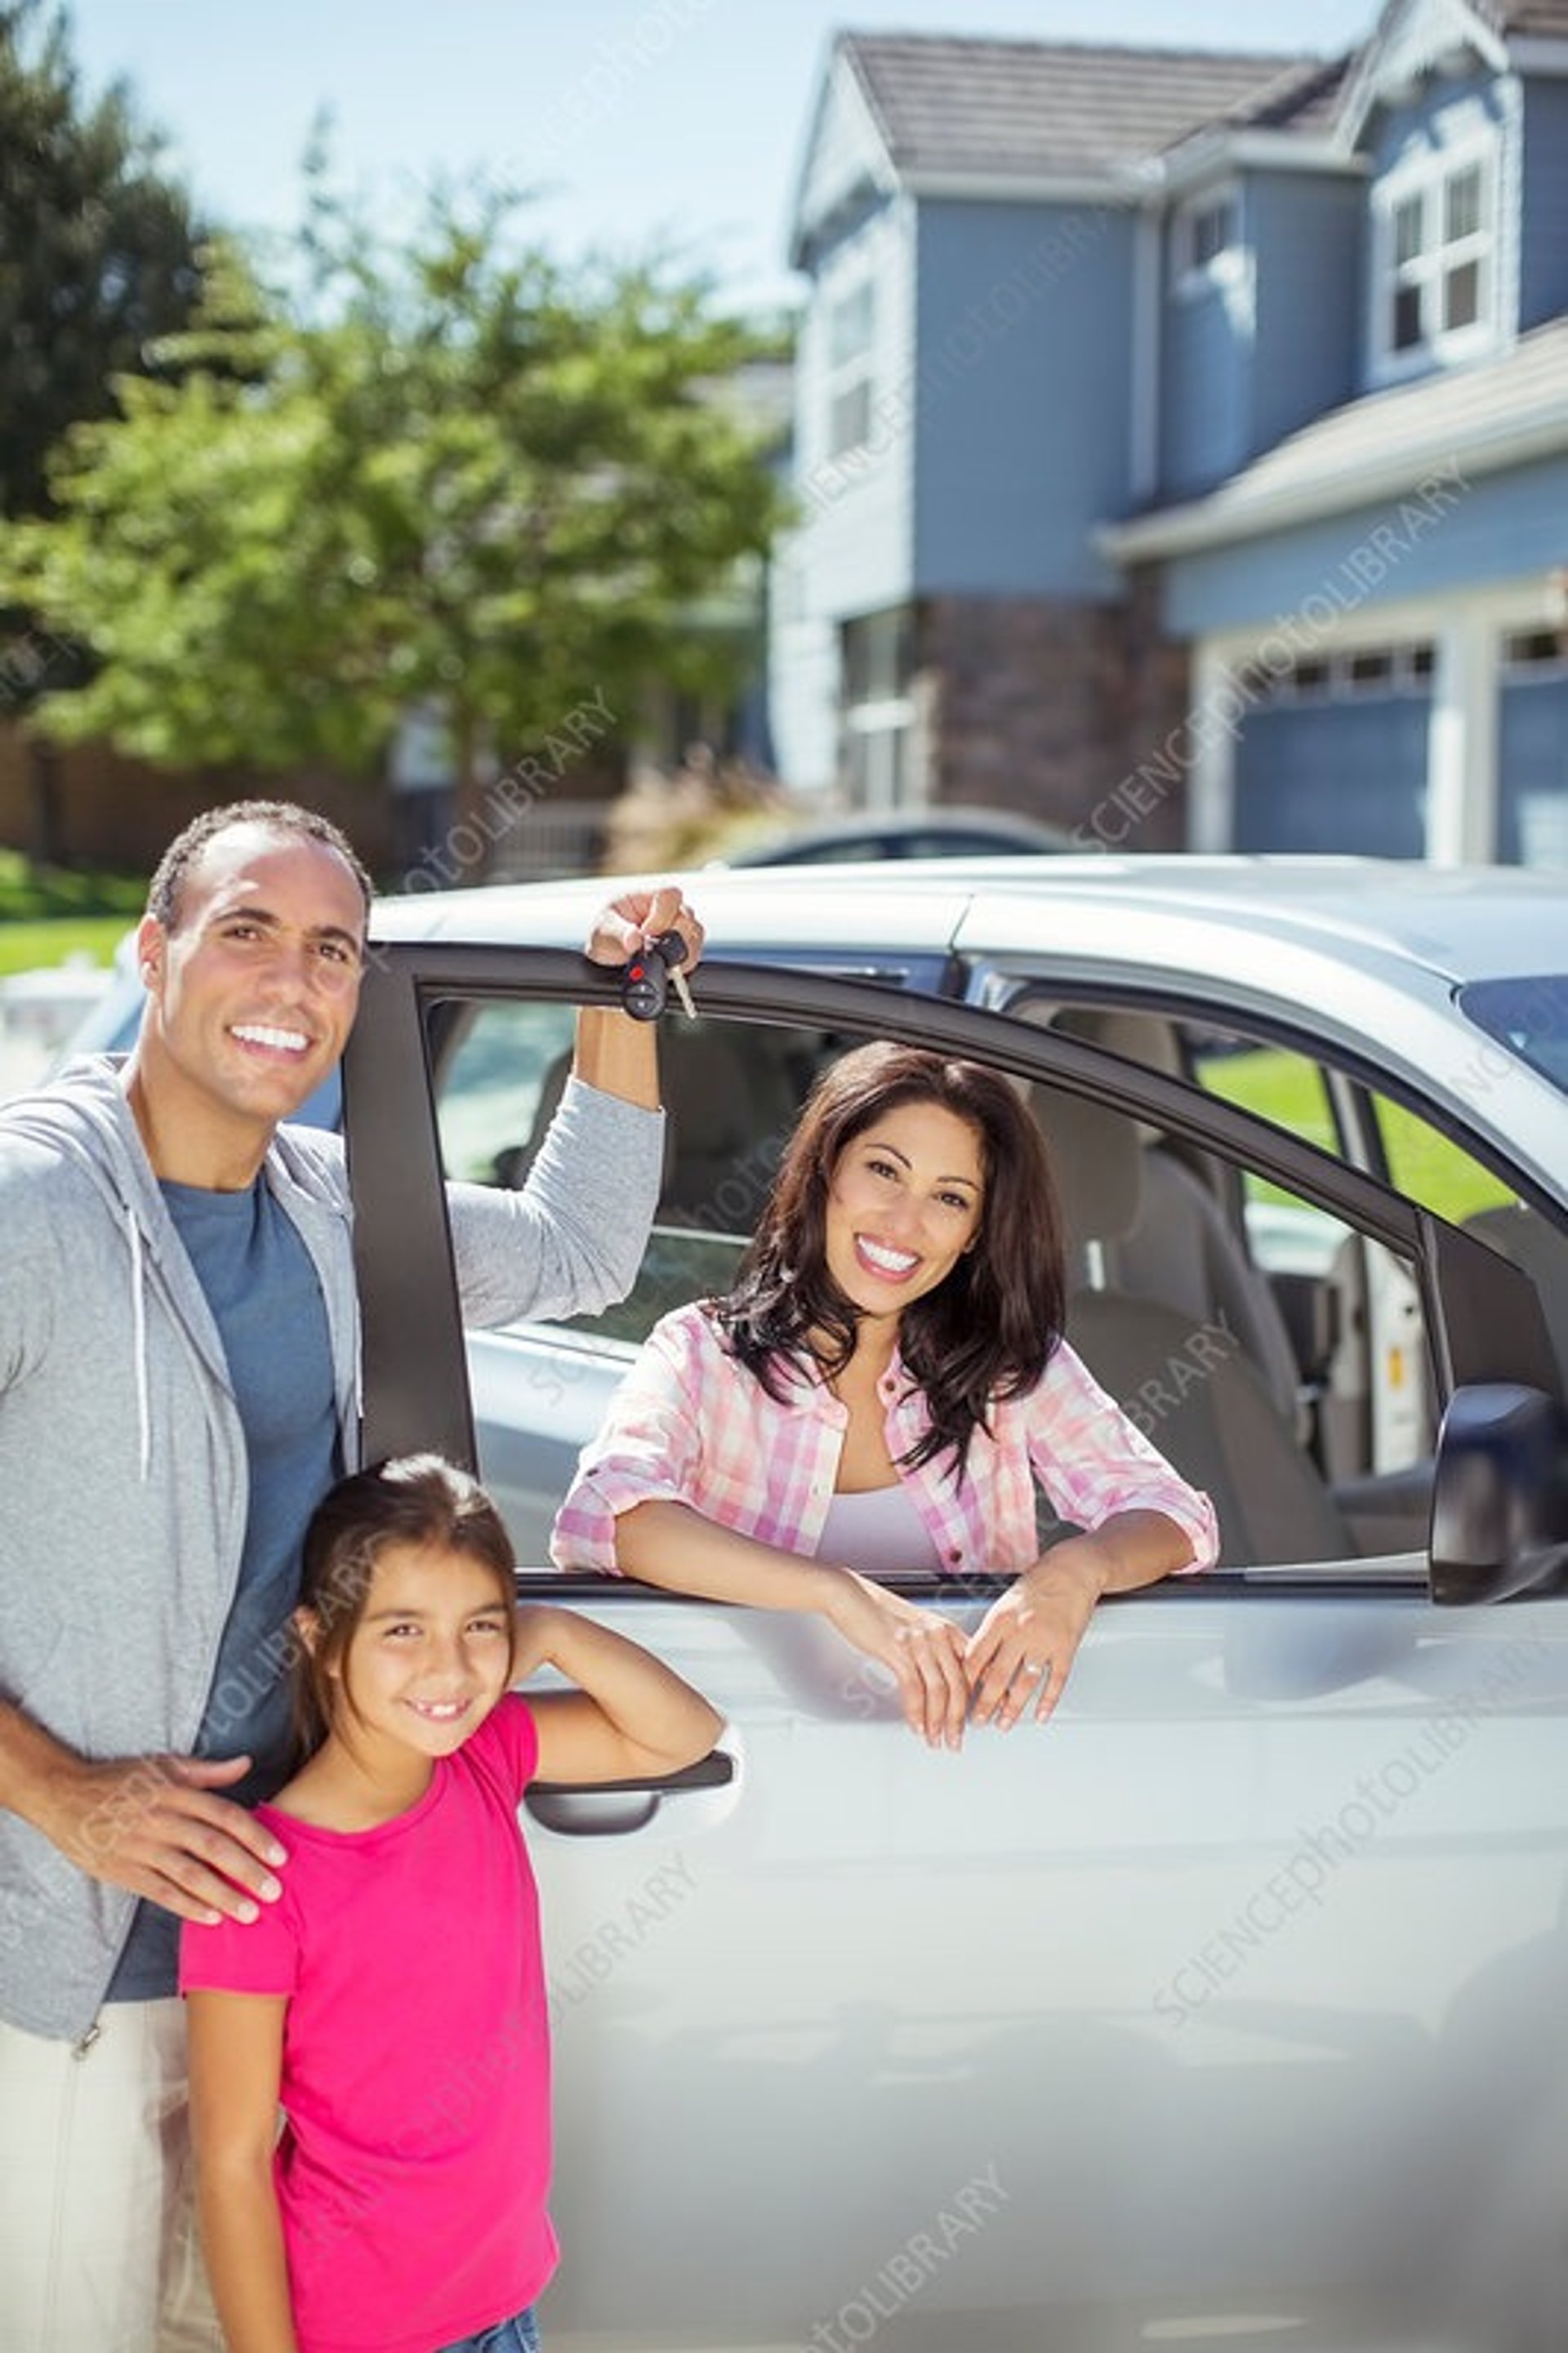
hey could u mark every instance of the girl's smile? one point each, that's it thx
(429, 1657)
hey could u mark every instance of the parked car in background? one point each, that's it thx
(1226, 2009)
(914, 833)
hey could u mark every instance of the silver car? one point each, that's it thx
(1228, 2009)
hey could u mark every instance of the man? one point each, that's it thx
(178, 1352)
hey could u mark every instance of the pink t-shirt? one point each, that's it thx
(414, 2168)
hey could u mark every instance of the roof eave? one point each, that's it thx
(1210, 151)
(1210, 523)
(1149, 179)
(1116, 183)
(839, 71)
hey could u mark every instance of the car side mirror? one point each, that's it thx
(1499, 1496)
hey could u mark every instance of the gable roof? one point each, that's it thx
(1500, 413)
(1412, 36)
(1028, 110)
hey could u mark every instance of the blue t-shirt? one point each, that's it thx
(267, 1303)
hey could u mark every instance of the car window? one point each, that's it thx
(1274, 1082)
(1433, 1168)
(732, 1093)
(1276, 1354)
(1202, 1290)
(495, 1065)
(1418, 1159)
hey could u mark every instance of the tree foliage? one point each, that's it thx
(439, 471)
(99, 254)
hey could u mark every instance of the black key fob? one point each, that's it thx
(644, 985)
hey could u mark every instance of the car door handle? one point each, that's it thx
(612, 1808)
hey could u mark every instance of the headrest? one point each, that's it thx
(1096, 1162)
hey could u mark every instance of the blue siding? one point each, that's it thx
(853, 547)
(1270, 342)
(1532, 774)
(1309, 235)
(1502, 526)
(1023, 402)
(1345, 777)
(1207, 364)
(1543, 255)
(1448, 113)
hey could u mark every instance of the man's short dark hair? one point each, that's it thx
(163, 892)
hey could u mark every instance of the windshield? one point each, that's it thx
(1529, 1017)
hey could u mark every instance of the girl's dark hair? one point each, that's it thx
(413, 1499)
(988, 1330)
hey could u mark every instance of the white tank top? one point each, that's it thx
(879, 1532)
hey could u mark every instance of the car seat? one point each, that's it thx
(1183, 1247)
(1183, 1380)
(729, 1111)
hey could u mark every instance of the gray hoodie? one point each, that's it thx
(123, 1488)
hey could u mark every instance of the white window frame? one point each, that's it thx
(849, 368)
(1425, 179)
(880, 745)
(1193, 270)
(1404, 667)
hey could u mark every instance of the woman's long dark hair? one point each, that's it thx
(988, 1329)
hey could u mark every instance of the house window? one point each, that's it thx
(851, 328)
(1529, 653)
(879, 710)
(1339, 677)
(1436, 240)
(1206, 229)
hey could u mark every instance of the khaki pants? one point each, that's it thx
(98, 2243)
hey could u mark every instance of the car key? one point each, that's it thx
(645, 986)
(672, 948)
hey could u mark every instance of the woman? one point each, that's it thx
(882, 1390)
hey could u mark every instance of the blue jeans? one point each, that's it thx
(520, 2334)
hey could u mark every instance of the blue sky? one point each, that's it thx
(643, 119)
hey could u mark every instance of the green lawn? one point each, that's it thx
(24, 946)
(48, 913)
(1288, 1089)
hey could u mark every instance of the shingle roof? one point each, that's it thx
(1471, 418)
(1025, 107)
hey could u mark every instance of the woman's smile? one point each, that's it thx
(883, 1260)
(916, 1173)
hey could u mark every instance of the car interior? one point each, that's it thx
(1275, 1357)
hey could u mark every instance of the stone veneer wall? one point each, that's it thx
(1072, 712)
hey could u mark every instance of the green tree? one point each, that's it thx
(442, 471)
(99, 255)
(99, 258)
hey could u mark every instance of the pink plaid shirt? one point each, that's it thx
(689, 1425)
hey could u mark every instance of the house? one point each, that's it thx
(1182, 438)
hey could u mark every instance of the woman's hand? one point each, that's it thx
(1025, 1643)
(922, 1649)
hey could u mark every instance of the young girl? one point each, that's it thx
(884, 1388)
(392, 2000)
